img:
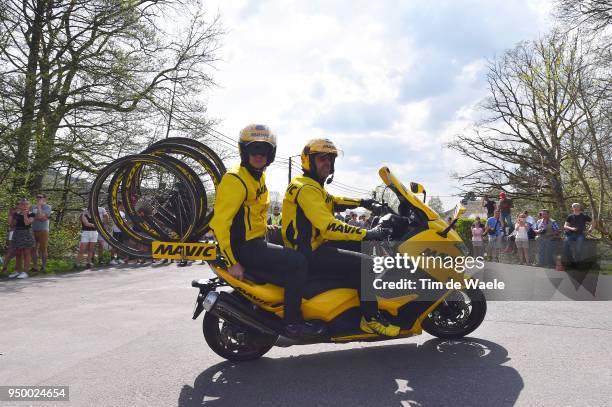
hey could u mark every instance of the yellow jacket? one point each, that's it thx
(308, 216)
(275, 220)
(241, 207)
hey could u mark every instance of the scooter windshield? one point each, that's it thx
(404, 194)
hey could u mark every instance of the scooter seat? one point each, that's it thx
(260, 291)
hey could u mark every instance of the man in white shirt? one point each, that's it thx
(118, 235)
(101, 242)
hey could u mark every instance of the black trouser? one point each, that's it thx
(280, 266)
(352, 269)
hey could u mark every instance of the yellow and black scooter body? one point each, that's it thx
(408, 310)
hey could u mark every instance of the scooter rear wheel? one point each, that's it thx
(231, 342)
(459, 315)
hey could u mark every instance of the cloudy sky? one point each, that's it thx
(389, 82)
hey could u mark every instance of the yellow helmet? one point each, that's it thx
(317, 146)
(256, 133)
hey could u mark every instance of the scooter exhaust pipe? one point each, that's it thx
(224, 306)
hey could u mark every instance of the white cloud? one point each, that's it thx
(389, 82)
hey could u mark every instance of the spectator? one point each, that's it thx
(101, 242)
(339, 217)
(521, 234)
(118, 235)
(274, 227)
(495, 231)
(529, 219)
(354, 221)
(89, 238)
(546, 229)
(477, 242)
(489, 205)
(23, 239)
(449, 220)
(140, 212)
(10, 253)
(531, 235)
(361, 221)
(367, 222)
(505, 207)
(40, 227)
(574, 227)
(276, 218)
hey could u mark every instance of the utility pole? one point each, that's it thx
(290, 165)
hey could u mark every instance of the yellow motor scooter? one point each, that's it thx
(243, 318)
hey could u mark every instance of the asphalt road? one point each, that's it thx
(124, 337)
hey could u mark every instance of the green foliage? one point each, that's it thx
(54, 266)
(463, 227)
(63, 240)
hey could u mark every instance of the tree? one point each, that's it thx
(85, 73)
(435, 203)
(595, 14)
(546, 132)
(529, 111)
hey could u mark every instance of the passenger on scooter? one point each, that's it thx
(309, 224)
(239, 224)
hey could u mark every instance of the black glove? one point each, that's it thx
(367, 203)
(378, 233)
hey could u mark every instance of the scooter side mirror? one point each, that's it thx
(417, 188)
(459, 211)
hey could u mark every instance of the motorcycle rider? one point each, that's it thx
(309, 224)
(239, 224)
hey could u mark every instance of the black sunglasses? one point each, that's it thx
(259, 149)
(327, 156)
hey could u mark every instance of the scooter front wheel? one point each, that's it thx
(458, 315)
(231, 342)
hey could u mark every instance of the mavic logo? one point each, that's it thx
(252, 297)
(344, 228)
(260, 191)
(292, 188)
(190, 251)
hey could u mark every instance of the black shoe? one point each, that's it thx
(182, 264)
(304, 330)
